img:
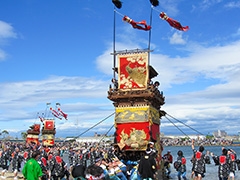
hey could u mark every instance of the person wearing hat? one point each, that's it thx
(168, 159)
(147, 166)
(153, 150)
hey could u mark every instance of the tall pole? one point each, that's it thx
(114, 39)
(149, 36)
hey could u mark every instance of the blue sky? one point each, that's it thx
(60, 51)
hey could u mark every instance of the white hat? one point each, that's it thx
(148, 150)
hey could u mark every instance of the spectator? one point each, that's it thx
(199, 160)
(5, 160)
(233, 165)
(16, 162)
(32, 169)
(147, 166)
(168, 159)
(223, 163)
(180, 165)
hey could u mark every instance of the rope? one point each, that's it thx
(95, 125)
(118, 13)
(186, 125)
(106, 133)
(156, 9)
(177, 127)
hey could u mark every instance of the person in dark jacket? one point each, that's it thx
(168, 160)
(16, 162)
(223, 163)
(233, 164)
(199, 161)
(5, 161)
(181, 167)
(147, 166)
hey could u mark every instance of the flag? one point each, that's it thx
(142, 25)
(49, 125)
(41, 118)
(173, 22)
(62, 113)
(55, 113)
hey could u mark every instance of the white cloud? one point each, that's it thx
(6, 30)
(170, 6)
(233, 4)
(237, 33)
(30, 94)
(177, 38)
(208, 3)
(2, 55)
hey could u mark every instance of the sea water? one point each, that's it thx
(211, 169)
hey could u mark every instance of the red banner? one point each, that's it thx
(133, 71)
(49, 124)
(155, 131)
(133, 135)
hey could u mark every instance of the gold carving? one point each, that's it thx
(138, 75)
(136, 139)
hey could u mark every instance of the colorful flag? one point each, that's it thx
(142, 25)
(55, 113)
(173, 22)
(62, 113)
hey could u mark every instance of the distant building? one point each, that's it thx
(219, 134)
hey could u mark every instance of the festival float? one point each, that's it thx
(33, 134)
(48, 130)
(136, 98)
(137, 103)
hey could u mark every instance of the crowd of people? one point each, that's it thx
(99, 161)
(188, 142)
(76, 161)
(227, 163)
